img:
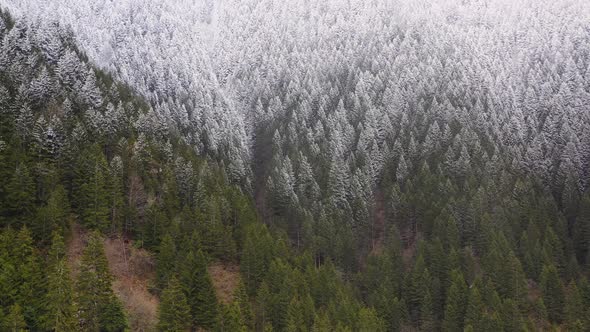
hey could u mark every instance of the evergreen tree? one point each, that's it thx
(241, 297)
(59, 300)
(54, 215)
(165, 261)
(553, 293)
(575, 309)
(15, 320)
(581, 231)
(475, 309)
(199, 290)
(174, 312)
(369, 322)
(232, 319)
(92, 197)
(99, 308)
(456, 303)
(20, 196)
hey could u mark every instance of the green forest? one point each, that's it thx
(471, 242)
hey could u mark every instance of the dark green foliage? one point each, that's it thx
(54, 216)
(20, 196)
(257, 253)
(174, 312)
(15, 320)
(369, 322)
(59, 300)
(199, 291)
(456, 303)
(99, 308)
(166, 261)
(232, 319)
(92, 193)
(553, 293)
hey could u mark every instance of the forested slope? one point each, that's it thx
(382, 165)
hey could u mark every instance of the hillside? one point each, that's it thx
(386, 165)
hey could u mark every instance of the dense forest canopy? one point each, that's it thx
(374, 165)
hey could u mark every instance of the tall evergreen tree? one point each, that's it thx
(553, 293)
(174, 313)
(99, 307)
(59, 300)
(199, 290)
(456, 303)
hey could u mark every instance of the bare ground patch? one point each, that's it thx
(226, 278)
(133, 271)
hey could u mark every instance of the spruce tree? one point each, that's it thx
(456, 303)
(15, 320)
(232, 319)
(29, 281)
(174, 313)
(99, 307)
(199, 290)
(241, 297)
(553, 293)
(166, 261)
(575, 310)
(20, 196)
(475, 309)
(59, 300)
(369, 321)
(92, 193)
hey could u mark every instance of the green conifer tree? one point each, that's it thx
(369, 321)
(92, 197)
(174, 312)
(553, 293)
(166, 261)
(99, 308)
(15, 320)
(59, 300)
(456, 303)
(199, 290)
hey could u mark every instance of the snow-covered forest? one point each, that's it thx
(363, 132)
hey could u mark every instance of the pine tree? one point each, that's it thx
(456, 303)
(241, 297)
(295, 319)
(199, 290)
(575, 309)
(15, 320)
(322, 323)
(232, 319)
(20, 196)
(28, 279)
(99, 308)
(59, 300)
(475, 309)
(369, 322)
(91, 193)
(581, 231)
(174, 312)
(54, 215)
(553, 293)
(166, 261)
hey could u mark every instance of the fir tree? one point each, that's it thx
(174, 312)
(456, 303)
(99, 308)
(166, 261)
(553, 293)
(15, 320)
(59, 300)
(199, 290)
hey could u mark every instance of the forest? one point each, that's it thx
(261, 165)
